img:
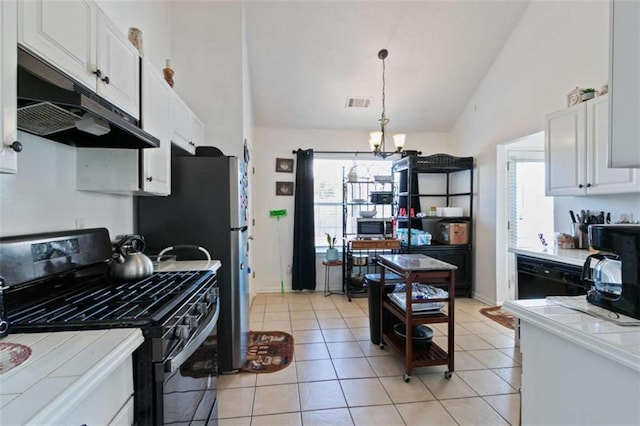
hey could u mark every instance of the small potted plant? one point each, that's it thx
(588, 93)
(332, 251)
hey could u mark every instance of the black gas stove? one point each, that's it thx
(60, 281)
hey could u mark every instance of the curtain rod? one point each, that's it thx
(348, 152)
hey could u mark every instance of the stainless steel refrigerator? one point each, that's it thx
(208, 207)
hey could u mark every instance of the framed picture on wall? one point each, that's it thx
(284, 188)
(284, 165)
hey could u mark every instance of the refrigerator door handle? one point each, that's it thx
(241, 229)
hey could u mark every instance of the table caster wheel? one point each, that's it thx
(382, 346)
(447, 375)
(406, 378)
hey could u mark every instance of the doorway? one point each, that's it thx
(524, 210)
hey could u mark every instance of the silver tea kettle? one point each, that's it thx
(128, 262)
(606, 278)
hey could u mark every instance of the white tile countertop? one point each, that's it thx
(570, 256)
(616, 342)
(64, 367)
(191, 265)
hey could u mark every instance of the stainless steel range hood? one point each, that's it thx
(52, 105)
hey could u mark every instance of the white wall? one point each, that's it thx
(272, 143)
(555, 47)
(42, 197)
(207, 48)
(616, 204)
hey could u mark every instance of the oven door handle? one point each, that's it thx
(174, 362)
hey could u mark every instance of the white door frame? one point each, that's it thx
(504, 259)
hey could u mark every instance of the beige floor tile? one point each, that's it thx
(352, 312)
(357, 322)
(311, 351)
(499, 327)
(401, 392)
(493, 358)
(288, 419)
(361, 333)
(301, 307)
(463, 317)
(473, 411)
(236, 402)
(312, 371)
(418, 371)
(478, 327)
(299, 315)
(471, 342)
(513, 376)
(335, 417)
(513, 353)
(257, 315)
(239, 380)
(380, 415)
(286, 375)
(387, 366)
(337, 335)
(353, 368)
(276, 399)
(344, 350)
(277, 325)
(256, 325)
(486, 382)
(465, 361)
(447, 388)
(327, 313)
(276, 308)
(276, 316)
(321, 395)
(360, 392)
(307, 336)
(443, 342)
(497, 340)
(508, 406)
(320, 305)
(372, 349)
(305, 324)
(328, 323)
(425, 414)
(236, 421)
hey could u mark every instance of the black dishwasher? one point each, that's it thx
(539, 278)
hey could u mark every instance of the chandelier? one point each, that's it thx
(377, 139)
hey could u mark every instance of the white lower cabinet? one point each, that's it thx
(577, 153)
(110, 403)
(8, 86)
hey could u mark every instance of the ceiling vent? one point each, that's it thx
(353, 102)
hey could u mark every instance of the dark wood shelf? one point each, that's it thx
(417, 317)
(423, 355)
(438, 194)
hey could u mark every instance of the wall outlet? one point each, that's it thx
(289, 270)
(81, 223)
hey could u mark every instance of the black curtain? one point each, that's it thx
(304, 250)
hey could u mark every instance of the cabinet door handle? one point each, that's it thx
(588, 185)
(581, 186)
(106, 79)
(97, 73)
(150, 179)
(16, 146)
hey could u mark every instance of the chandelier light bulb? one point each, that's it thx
(376, 138)
(398, 140)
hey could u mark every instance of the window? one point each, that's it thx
(328, 176)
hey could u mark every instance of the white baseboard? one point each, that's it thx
(483, 299)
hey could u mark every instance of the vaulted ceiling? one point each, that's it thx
(307, 57)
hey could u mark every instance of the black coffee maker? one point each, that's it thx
(614, 277)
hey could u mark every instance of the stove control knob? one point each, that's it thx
(182, 332)
(211, 295)
(201, 307)
(191, 321)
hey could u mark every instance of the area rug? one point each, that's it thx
(498, 315)
(268, 351)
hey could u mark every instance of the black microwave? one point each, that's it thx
(374, 228)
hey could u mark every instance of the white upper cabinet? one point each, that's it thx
(156, 162)
(197, 131)
(624, 85)
(77, 38)
(119, 65)
(577, 153)
(181, 124)
(8, 85)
